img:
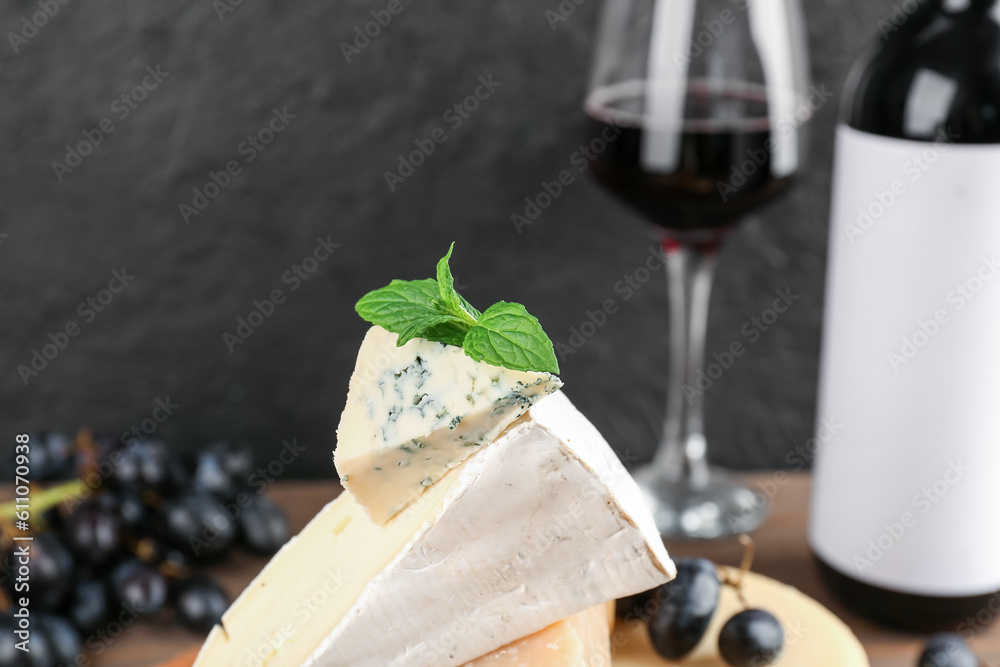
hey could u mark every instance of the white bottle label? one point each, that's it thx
(907, 493)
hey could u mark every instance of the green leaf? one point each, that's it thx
(449, 333)
(507, 335)
(469, 308)
(451, 301)
(398, 304)
(411, 308)
(426, 327)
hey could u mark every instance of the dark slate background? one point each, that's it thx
(162, 337)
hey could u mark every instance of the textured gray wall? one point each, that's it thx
(322, 176)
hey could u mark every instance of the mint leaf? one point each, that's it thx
(449, 333)
(411, 308)
(507, 335)
(399, 303)
(450, 299)
(425, 325)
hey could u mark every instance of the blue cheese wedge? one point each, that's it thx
(538, 527)
(416, 411)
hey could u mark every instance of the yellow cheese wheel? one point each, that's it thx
(814, 637)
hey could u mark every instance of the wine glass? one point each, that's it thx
(696, 118)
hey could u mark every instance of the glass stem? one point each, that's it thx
(681, 455)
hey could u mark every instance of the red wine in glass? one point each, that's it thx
(694, 130)
(724, 166)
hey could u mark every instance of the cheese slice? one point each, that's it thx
(579, 641)
(539, 526)
(416, 411)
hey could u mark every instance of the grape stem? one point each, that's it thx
(43, 501)
(736, 581)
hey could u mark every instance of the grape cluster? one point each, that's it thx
(679, 614)
(127, 540)
(680, 611)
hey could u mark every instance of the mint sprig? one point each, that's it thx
(504, 335)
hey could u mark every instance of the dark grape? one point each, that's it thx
(88, 606)
(178, 476)
(41, 653)
(10, 655)
(140, 587)
(93, 532)
(51, 571)
(64, 641)
(947, 650)
(197, 525)
(174, 556)
(687, 605)
(53, 518)
(200, 603)
(128, 506)
(638, 607)
(53, 456)
(263, 526)
(223, 469)
(139, 464)
(237, 460)
(751, 638)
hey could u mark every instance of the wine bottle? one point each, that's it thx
(906, 501)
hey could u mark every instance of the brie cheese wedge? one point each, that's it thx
(538, 527)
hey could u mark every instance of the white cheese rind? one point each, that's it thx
(540, 525)
(414, 412)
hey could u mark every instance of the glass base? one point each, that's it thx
(717, 507)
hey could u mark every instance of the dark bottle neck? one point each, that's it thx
(933, 72)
